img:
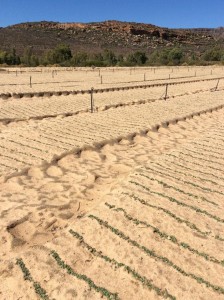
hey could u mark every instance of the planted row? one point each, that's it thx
(171, 199)
(178, 189)
(167, 212)
(154, 255)
(200, 158)
(104, 292)
(203, 146)
(183, 173)
(194, 162)
(27, 276)
(146, 282)
(191, 169)
(166, 236)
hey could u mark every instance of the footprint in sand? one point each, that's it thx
(54, 171)
(36, 173)
(51, 187)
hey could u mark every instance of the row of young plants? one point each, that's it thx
(27, 145)
(201, 158)
(194, 185)
(220, 137)
(154, 255)
(195, 163)
(180, 180)
(202, 147)
(103, 291)
(57, 136)
(189, 175)
(189, 224)
(174, 163)
(216, 157)
(145, 281)
(214, 145)
(27, 276)
(13, 157)
(22, 153)
(164, 235)
(171, 199)
(8, 163)
(210, 155)
(60, 136)
(211, 138)
(67, 136)
(167, 212)
(40, 141)
(204, 160)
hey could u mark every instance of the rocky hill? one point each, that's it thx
(121, 37)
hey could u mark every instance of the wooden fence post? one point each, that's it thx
(91, 100)
(166, 92)
(217, 85)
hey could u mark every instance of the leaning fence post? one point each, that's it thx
(217, 85)
(166, 92)
(101, 79)
(30, 81)
(91, 100)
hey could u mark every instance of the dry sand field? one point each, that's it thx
(123, 203)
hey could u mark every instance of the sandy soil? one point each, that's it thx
(67, 79)
(39, 108)
(130, 207)
(38, 142)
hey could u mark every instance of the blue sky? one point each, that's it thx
(166, 13)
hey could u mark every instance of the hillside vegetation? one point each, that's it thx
(108, 43)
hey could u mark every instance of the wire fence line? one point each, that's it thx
(102, 90)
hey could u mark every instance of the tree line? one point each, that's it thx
(62, 55)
